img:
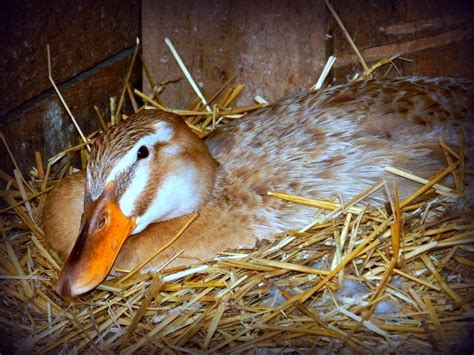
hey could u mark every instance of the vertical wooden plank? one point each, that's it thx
(273, 47)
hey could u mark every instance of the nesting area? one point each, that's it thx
(360, 278)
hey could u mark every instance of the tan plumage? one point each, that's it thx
(314, 144)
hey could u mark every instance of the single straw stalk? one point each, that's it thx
(126, 84)
(187, 74)
(66, 107)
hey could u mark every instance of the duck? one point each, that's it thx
(147, 174)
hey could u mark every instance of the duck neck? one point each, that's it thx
(207, 172)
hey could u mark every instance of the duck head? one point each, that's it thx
(148, 168)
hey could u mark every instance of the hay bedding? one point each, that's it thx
(359, 279)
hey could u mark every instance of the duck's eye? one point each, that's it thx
(142, 152)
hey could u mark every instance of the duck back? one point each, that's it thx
(338, 141)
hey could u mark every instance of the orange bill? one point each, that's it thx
(104, 230)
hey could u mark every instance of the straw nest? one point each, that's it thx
(358, 279)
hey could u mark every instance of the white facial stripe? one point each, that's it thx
(163, 133)
(164, 130)
(175, 197)
(128, 200)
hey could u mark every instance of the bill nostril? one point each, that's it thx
(101, 223)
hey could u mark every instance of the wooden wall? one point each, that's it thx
(278, 47)
(273, 47)
(91, 45)
(436, 35)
